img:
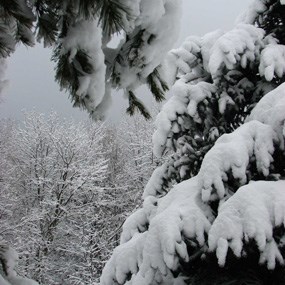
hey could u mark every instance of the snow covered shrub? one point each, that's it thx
(223, 220)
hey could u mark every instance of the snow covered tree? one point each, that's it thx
(55, 188)
(223, 221)
(79, 32)
(135, 138)
(32, 156)
(130, 163)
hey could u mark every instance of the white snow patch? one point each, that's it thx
(252, 213)
(232, 152)
(272, 61)
(180, 214)
(243, 43)
(184, 101)
(87, 36)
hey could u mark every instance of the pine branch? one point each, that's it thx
(68, 72)
(136, 105)
(48, 21)
(19, 10)
(16, 23)
(7, 42)
(111, 15)
(87, 8)
(157, 85)
(25, 35)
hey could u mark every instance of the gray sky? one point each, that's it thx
(31, 73)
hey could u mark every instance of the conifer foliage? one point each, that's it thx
(223, 220)
(79, 32)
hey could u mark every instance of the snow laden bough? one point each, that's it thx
(97, 45)
(181, 226)
(100, 45)
(221, 76)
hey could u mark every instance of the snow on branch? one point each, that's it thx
(154, 186)
(232, 153)
(187, 56)
(184, 101)
(82, 48)
(251, 214)
(270, 110)
(256, 8)
(157, 238)
(9, 258)
(180, 220)
(242, 44)
(272, 61)
(153, 34)
(138, 222)
(194, 54)
(125, 260)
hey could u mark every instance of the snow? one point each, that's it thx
(197, 60)
(242, 43)
(272, 61)
(184, 101)
(87, 36)
(174, 223)
(136, 223)
(10, 256)
(187, 55)
(155, 183)
(130, 252)
(164, 23)
(133, 13)
(3, 281)
(224, 100)
(17, 280)
(179, 215)
(208, 42)
(251, 214)
(270, 110)
(232, 153)
(160, 22)
(198, 93)
(176, 105)
(257, 7)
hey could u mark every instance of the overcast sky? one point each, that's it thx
(31, 73)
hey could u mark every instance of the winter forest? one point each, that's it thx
(189, 191)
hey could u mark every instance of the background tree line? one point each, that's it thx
(66, 189)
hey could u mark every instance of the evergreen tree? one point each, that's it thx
(223, 223)
(79, 32)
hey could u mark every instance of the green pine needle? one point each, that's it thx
(68, 73)
(157, 85)
(111, 15)
(136, 105)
